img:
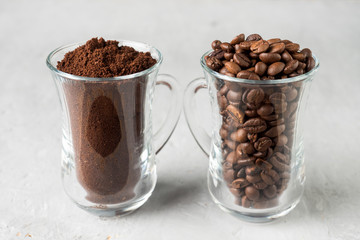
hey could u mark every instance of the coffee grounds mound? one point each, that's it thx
(103, 59)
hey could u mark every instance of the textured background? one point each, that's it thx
(31, 197)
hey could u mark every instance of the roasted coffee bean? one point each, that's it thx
(223, 70)
(229, 175)
(260, 68)
(253, 96)
(255, 125)
(239, 136)
(215, 44)
(232, 67)
(274, 40)
(228, 56)
(241, 173)
(266, 178)
(269, 58)
(306, 52)
(214, 63)
(292, 47)
(270, 117)
(260, 185)
(262, 144)
(275, 131)
(277, 48)
(299, 56)
(237, 192)
(252, 137)
(277, 97)
(231, 144)
(231, 157)
(223, 90)
(252, 170)
(253, 56)
(242, 60)
(263, 164)
(291, 66)
(236, 115)
(276, 122)
(270, 191)
(234, 86)
(244, 74)
(286, 56)
(227, 47)
(238, 39)
(291, 95)
(275, 68)
(278, 164)
(240, 183)
(234, 97)
(254, 37)
(223, 102)
(310, 64)
(259, 46)
(245, 148)
(245, 202)
(218, 53)
(286, 41)
(253, 178)
(281, 140)
(252, 193)
(265, 110)
(242, 162)
(223, 133)
(252, 69)
(251, 113)
(245, 45)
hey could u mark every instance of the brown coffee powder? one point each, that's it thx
(107, 118)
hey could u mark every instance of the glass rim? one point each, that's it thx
(123, 77)
(259, 82)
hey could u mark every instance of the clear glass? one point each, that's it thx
(256, 167)
(108, 145)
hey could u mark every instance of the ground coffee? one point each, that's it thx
(258, 121)
(106, 117)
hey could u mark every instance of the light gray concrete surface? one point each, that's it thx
(32, 200)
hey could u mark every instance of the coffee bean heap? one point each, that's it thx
(258, 59)
(258, 121)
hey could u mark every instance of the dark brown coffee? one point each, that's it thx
(106, 117)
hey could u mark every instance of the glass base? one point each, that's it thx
(263, 217)
(115, 210)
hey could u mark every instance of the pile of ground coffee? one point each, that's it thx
(258, 121)
(106, 117)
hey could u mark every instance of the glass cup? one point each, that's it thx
(256, 150)
(108, 145)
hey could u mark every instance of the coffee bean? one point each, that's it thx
(270, 117)
(277, 97)
(233, 97)
(237, 192)
(227, 47)
(229, 175)
(252, 69)
(276, 122)
(223, 133)
(254, 37)
(260, 154)
(286, 41)
(286, 56)
(215, 44)
(281, 140)
(253, 56)
(299, 56)
(266, 178)
(228, 56)
(269, 58)
(252, 137)
(274, 40)
(253, 178)
(276, 161)
(291, 95)
(245, 202)
(275, 131)
(239, 136)
(260, 185)
(238, 39)
(277, 48)
(292, 47)
(260, 68)
(291, 66)
(231, 157)
(265, 110)
(244, 74)
(236, 115)
(241, 173)
(255, 125)
(306, 52)
(245, 162)
(240, 183)
(275, 68)
(252, 193)
(218, 53)
(253, 96)
(245, 148)
(231, 144)
(245, 45)
(251, 113)
(262, 144)
(232, 67)
(252, 170)
(263, 164)
(310, 64)
(233, 86)
(214, 63)
(242, 60)
(259, 46)
(270, 191)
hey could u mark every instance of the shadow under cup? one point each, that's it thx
(256, 168)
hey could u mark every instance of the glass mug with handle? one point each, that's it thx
(255, 150)
(108, 145)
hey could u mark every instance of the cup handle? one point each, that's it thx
(201, 136)
(163, 134)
